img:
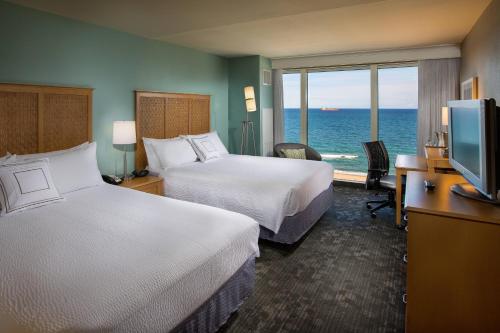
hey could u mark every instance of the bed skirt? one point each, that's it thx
(295, 227)
(215, 312)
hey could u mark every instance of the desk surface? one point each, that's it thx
(444, 202)
(411, 162)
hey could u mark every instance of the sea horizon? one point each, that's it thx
(338, 134)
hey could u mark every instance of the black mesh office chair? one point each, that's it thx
(378, 177)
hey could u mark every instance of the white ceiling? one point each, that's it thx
(280, 28)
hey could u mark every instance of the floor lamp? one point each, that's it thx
(247, 125)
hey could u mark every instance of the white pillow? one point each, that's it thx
(75, 170)
(26, 185)
(6, 158)
(214, 137)
(153, 161)
(205, 148)
(174, 152)
(50, 153)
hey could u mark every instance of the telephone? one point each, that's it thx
(141, 173)
(112, 179)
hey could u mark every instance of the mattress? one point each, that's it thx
(265, 188)
(117, 260)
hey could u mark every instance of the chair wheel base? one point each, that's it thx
(373, 215)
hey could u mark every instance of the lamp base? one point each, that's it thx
(246, 127)
(126, 176)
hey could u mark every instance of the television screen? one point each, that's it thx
(466, 139)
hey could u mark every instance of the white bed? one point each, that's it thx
(113, 259)
(267, 189)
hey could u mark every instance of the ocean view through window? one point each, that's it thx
(339, 115)
(291, 102)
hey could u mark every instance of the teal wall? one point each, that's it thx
(243, 71)
(246, 71)
(42, 48)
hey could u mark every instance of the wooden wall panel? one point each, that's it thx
(63, 116)
(200, 120)
(167, 115)
(177, 117)
(19, 122)
(36, 118)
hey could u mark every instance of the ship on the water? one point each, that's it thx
(329, 109)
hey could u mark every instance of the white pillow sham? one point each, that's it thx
(214, 137)
(6, 158)
(76, 170)
(153, 161)
(72, 169)
(205, 148)
(26, 185)
(174, 152)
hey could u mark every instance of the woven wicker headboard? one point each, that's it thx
(166, 115)
(35, 119)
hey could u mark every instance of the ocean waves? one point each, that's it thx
(339, 156)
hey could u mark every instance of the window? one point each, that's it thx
(397, 112)
(342, 113)
(291, 106)
(339, 117)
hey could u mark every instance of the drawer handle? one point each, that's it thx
(405, 258)
(405, 298)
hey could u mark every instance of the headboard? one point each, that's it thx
(36, 119)
(163, 115)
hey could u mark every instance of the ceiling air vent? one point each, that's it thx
(266, 77)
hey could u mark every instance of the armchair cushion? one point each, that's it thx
(311, 154)
(299, 153)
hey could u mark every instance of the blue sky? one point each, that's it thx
(398, 88)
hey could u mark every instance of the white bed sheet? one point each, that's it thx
(118, 260)
(265, 188)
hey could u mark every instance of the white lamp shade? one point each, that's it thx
(124, 132)
(249, 92)
(251, 105)
(444, 116)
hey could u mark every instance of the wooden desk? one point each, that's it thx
(435, 159)
(453, 268)
(405, 163)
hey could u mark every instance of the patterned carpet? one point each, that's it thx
(345, 276)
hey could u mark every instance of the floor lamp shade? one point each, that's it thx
(124, 132)
(247, 125)
(251, 105)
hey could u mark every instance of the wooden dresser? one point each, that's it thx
(149, 184)
(453, 273)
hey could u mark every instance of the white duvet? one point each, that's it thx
(265, 188)
(112, 259)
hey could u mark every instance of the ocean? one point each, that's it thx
(337, 135)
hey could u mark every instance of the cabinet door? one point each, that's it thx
(452, 275)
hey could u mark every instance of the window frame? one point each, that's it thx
(374, 91)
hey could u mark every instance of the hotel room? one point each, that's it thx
(235, 166)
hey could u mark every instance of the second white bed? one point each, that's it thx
(265, 188)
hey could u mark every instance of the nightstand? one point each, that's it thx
(148, 184)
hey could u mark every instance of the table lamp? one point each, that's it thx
(247, 125)
(443, 136)
(124, 134)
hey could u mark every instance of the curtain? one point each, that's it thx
(438, 83)
(278, 127)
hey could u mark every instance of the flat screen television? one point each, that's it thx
(474, 147)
